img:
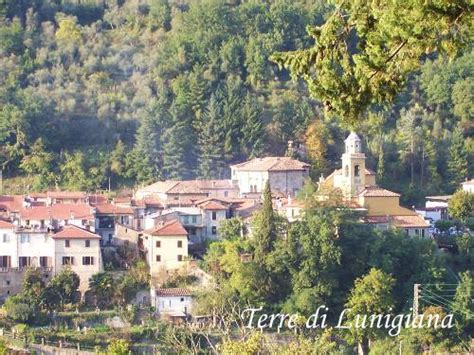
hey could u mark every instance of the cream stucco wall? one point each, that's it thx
(168, 252)
(77, 249)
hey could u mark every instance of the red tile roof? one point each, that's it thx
(58, 212)
(213, 205)
(169, 228)
(272, 164)
(414, 221)
(72, 232)
(6, 225)
(375, 191)
(112, 209)
(173, 292)
(66, 194)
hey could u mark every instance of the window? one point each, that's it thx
(214, 215)
(67, 243)
(214, 230)
(185, 219)
(24, 261)
(5, 261)
(158, 244)
(180, 258)
(192, 231)
(180, 243)
(45, 261)
(182, 299)
(25, 238)
(417, 231)
(6, 238)
(194, 219)
(87, 260)
(88, 243)
(158, 258)
(226, 193)
(346, 171)
(68, 260)
(356, 170)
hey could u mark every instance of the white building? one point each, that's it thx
(201, 221)
(286, 175)
(173, 302)
(468, 186)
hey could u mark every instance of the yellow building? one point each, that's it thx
(359, 188)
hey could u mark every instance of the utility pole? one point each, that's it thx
(416, 295)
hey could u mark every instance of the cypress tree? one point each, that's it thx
(265, 233)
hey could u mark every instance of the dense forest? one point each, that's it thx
(140, 90)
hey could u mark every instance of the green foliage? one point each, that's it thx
(19, 308)
(360, 57)
(118, 347)
(232, 228)
(371, 294)
(61, 290)
(3, 347)
(461, 205)
(462, 304)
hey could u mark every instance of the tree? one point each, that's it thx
(175, 147)
(145, 160)
(3, 348)
(39, 164)
(61, 290)
(461, 205)
(19, 308)
(462, 303)
(232, 228)
(118, 347)
(360, 57)
(264, 227)
(371, 294)
(458, 167)
(253, 128)
(211, 141)
(102, 288)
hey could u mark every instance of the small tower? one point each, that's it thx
(353, 165)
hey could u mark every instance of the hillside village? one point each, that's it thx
(168, 223)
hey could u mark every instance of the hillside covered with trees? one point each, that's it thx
(137, 91)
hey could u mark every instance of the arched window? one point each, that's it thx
(346, 171)
(356, 170)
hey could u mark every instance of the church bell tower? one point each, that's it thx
(353, 165)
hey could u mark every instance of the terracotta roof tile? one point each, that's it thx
(110, 208)
(271, 164)
(6, 224)
(173, 292)
(58, 212)
(375, 191)
(73, 232)
(414, 221)
(169, 228)
(213, 205)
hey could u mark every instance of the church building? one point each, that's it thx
(360, 190)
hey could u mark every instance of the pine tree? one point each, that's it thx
(265, 227)
(231, 116)
(457, 163)
(175, 139)
(253, 130)
(211, 141)
(146, 160)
